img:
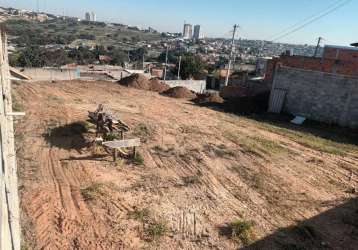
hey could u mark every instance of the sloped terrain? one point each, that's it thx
(201, 171)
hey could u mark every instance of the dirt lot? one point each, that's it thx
(207, 180)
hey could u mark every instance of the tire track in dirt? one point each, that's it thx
(273, 190)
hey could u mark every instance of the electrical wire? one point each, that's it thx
(304, 20)
(312, 20)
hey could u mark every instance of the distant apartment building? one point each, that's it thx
(197, 35)
(88, 16)
(188, 31)
(93, 17)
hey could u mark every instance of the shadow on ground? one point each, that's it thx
(69, 136)
(335, 229)
(255, 108)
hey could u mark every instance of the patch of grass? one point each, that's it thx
(24, 247)
(191, 180)
(92, 192)
(164, 152)
(156, 229)
(138, 159)
(242, 231)
(152, 229)
(111, 137)
(140, 214)
(268, 146)
(78, 100)
(144, 132)
(16, 106)
(187, 129)
(223, 151)
(250, 177)
(55, 99)
(256, 145)
(310, 140)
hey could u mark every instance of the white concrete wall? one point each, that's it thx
(50, 74)
(198, 86)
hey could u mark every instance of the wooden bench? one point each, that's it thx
(115, 145)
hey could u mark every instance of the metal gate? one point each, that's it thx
(277, 100)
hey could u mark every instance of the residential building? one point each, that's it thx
(188, 31)
(335, 60)
(93, 17)
(88, 16)
(196, 35)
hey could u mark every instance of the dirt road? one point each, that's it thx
(198, 162)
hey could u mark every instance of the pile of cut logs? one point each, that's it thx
(107, 124)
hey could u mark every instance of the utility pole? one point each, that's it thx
(318, 45)
(38, 6)
(166, 63)
(231, 54)
(143, 61)
(179, 67)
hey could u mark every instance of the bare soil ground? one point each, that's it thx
(197, 162)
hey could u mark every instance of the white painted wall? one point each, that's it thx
(198, 86)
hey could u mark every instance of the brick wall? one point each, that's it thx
(319, 96)
(344, 67)
(336, 53)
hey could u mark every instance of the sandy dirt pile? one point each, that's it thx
(158, 86)
(139, 81)
(209, 98)
(200, 172)
(180, 93)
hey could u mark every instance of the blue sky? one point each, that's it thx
(259, 19)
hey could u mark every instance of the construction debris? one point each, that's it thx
(106, 123)
(108, 126)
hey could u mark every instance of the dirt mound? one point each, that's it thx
(209, 98)
(158, 86)
(180, 92)
(137, 81)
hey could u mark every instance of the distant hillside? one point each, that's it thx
(58, 42)
(65, 32)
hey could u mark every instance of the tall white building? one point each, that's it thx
(188, 31)
(197, 34)
(88, 16)
(93, 17)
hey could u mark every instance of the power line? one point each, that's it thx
(312, 21)
(304, 20)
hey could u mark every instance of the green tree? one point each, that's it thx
(191, 67)
(30, 57)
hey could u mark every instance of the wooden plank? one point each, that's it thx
(8, 152)
(122, 143)
(16, 114)
(5, 234)
(19, 74)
